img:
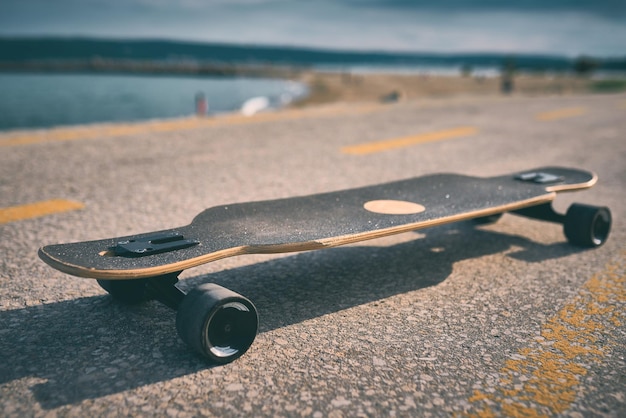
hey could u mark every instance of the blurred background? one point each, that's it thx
(67, 62)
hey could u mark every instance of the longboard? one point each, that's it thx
(130, 266)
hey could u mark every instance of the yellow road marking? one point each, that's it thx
(183, 124)
(34, 210)
(569, 112)
(388, 144)
(543, 379)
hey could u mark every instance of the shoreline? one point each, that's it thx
(112, 129)
(329, 88)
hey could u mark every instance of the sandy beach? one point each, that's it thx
(367, 87)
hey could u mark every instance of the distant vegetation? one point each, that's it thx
(585, 65)
(82, 54)
(609, 86)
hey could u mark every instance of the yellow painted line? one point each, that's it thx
(35, 210)
(389, 144)
(171, 125)
(543, 379)
(569, 112)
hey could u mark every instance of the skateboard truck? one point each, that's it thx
(162, 288)
(583, 225)
(152, 244)
(213, 320)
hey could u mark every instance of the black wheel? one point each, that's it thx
(487, 220)
(129, 292)
(587, 226)
(217, 323)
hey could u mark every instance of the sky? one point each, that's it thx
(561, 27)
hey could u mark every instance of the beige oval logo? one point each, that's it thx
(393, 207)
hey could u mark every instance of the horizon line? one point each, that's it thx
(309, 48)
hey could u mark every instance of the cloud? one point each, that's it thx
(531, 26)
(613, 9)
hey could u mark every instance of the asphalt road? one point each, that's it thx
(501, 320)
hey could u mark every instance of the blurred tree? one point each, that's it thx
(585, 65)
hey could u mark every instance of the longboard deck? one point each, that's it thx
(315, 221)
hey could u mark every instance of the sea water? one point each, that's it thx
(45, 100)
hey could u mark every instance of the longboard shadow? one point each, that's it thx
(93, 347)
(308, 285)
